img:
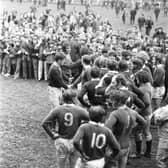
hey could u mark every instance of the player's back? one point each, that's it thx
(96, 137)
(125, 121)
(69, 118)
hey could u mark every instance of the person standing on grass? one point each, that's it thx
(148, 25)
(158, 83)
(68, 118)
(161, 119)
(121, 122)
(145, 86)
(92, 140)
(133, 13)
(157, 12)
(166, 10)
(124, 16)
(141, 22)
(166, 77)
(55, 80)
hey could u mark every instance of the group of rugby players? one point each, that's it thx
(103, 85)
(113, 98)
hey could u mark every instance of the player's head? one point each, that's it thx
(95, 72)
(119, 81)
(123, 66)
(59, 58)
(118, 98)
(69, 96)
(142, 77)
(96, 113)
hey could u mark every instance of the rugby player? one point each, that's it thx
(92, 140)
(68, 117)
(121, 122)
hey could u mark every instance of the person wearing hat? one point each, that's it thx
(55, 80)
(68, 117)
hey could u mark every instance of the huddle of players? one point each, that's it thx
(91, 138)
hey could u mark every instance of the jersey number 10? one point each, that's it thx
(98, 141)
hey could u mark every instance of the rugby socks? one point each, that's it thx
(148, 149)
(138, 148)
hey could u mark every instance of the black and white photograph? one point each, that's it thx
(83, 83)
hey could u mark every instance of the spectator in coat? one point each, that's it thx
(141, 22)
(55, 80)
(148, 25)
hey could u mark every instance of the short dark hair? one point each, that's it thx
(95, 72)
(86, 59)
(118, 96)
(143, 77)
(123, 66)
(68, 95)
(159, 59)
(59, 56)
(112, 65)
(96, 113)
(121, 79)
(138, 62)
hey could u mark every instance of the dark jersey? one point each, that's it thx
(89, 88)
(69, 118)
(121, 122)
(95, 138)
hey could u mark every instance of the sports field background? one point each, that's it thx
(103, 12)
(23, 105)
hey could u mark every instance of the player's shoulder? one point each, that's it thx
(57, 109)
(114, 113)
(106, 129)
(85, 126)
(80, 109)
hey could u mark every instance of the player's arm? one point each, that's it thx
(147, 100)
(84, 116)
(114, 145)
(81, 95)
(140, 120)
(113, 142)
(48, 124)
(112, 120)
(138, 102)
(77, 139)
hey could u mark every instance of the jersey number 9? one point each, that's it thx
(98, 141)
(68, 119)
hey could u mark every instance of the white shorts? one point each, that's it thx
(99, 163)
(158, 92)
(65, 153)
(54, 95)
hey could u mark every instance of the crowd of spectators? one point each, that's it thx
(83, 51)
